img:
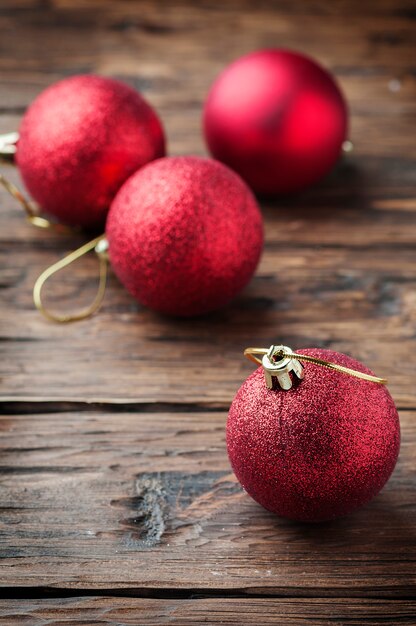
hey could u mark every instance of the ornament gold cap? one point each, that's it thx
(279, 362)
(347, 146)
(8, 145)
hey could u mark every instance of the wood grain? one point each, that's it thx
(106, 611)
(145, 500)
(334, 298)
(117, 501)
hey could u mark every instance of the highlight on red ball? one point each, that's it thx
(278, 118)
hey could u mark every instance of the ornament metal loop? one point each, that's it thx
(8, 146)
(100, 246)
(347, 146)
(278, 365)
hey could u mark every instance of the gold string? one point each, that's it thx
(59, 265)
(250, 353)
(31, 212)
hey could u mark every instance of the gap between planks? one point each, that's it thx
(29, 593)
(16, 405)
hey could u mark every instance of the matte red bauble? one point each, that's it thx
(80, 140)
(277, 118)
(185, 235)
(319, 450)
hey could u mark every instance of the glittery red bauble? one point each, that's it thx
(319, 450)
(185, 235)
(277, 118)
(80, 140)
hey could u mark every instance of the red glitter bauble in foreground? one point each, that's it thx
(80, 140)
(277, 118)
(185, 235)
(318, 451)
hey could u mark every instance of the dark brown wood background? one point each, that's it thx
(118, 505)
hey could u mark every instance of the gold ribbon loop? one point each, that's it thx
(251, 353)
(99, 244)
(31, 211)
(17, 195)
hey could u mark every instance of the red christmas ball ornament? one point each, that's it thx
(321, 446)
(185, 235)
(80, 140)
(277, 118)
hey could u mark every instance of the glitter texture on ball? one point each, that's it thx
(277, 118)
(80, 140)
(319, 450)
(185, 235)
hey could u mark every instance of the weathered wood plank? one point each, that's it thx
(139, 501)
(371, 35)
(366, 204)
(110, 611)
(306, 296)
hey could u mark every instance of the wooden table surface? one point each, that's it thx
(118, 505)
